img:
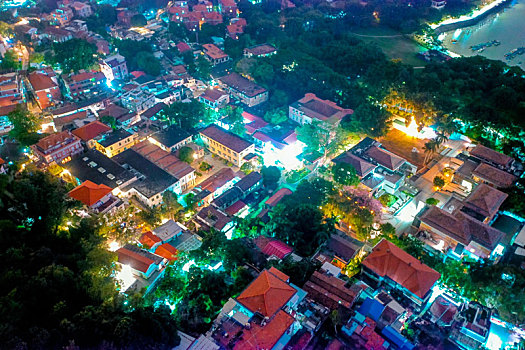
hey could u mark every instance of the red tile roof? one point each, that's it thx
(183, 47)
(267, 294)
(235, 207)
(213, 51)
(262, 49)
(277, 248)
(137, 258)
(495, 176)
(91, 130)
(167, 251)
(89, 193)
(462, 227)
(362, 167)
(320, 109)
(485, 200)
(277, 197)
(213, 95)
(41, 81)
(490, 155)
(385, 158)
(388, 260)
(266, 336)
(54, 139)
(149, 239)
(443, 310)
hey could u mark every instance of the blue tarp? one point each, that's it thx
(371, 308)
(394, 337)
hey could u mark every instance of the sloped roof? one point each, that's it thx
(388, 260)
(277, 248)
(91, 130)
(249, 181)
(266, 336)
(495, 176)
(443, 310)
(89, 193)
(490, 155)
(137, 258)
(149, 239)
(167, 251)
(485, 200)
(235, 208)
(54, 139)
(361, 166)
(225, 138)
(462, 227)
(387, 159)
(240, 83)
(267, 294)
(278, 196)
(41, 81)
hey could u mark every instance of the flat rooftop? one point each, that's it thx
(96, 167)
(151, 179)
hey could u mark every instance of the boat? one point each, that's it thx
(510, 55)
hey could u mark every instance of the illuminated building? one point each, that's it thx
(114, 67)
(83, 82)
(243, 89)
(115, 142)
(227, 145)
(57, 148)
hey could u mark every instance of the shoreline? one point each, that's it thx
(468, 20)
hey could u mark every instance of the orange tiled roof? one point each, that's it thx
(265, 337)
(393, 262)
(167, 251)
(267, 294)
(91, 130)
(149, 239)
(89, 193)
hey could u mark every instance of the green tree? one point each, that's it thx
(138, 20)
(75, 54)
(66, 288)
(147, 62)
(150, 217)
(303, 227)
(186, 154)
(235, 120)
(432, 201)
(5, 29)
(185, 115)
(439, 182)
(25, 126)
(203, 67)
(368, 119)
(276, 116)
(345, 174)
(171, 206)
(271, 176)
(10, 60)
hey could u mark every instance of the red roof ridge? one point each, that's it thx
(89, 193)
(389, 260)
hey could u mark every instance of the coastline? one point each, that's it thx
(469, 20)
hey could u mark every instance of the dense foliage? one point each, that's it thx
(74, 55)
(56, 287)
(139, 56)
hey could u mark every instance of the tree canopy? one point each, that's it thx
(74, 55)
(56, 279)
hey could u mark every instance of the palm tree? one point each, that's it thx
(440, 138)
(430, 148)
